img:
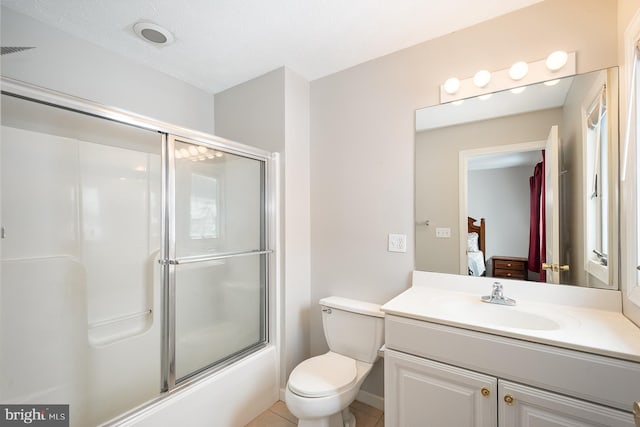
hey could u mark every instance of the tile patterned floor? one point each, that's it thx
(279, 416)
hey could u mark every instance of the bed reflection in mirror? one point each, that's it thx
(534, 172)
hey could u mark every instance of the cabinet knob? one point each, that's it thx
(485, 391)
(508, 264)
(508, 399)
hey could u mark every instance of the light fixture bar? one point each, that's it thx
(500, 80)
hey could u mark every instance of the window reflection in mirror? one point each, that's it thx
(595, 133)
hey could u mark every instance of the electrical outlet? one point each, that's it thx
(397, 243)
(443, 232)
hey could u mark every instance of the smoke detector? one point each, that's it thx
(153, 33)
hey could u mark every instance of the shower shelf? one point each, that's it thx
(118, 328)
(118, 319)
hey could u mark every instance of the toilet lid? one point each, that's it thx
(323, 375)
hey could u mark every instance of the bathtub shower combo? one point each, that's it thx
(134, 256)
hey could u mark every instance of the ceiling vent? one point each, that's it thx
(152, 33)
(13, 49)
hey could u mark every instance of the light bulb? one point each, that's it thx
(193, 150)
(452, 85)
(482, 78)
(202, 149)
(556, 60)
(518, 70)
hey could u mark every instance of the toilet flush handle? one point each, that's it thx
(327, 310)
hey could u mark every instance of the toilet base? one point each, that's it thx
(348, 419)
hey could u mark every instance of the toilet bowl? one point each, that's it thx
(320, 389)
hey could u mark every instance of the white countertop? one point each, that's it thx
(572, 317)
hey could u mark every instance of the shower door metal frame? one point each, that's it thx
(169, 260)
(170, 133)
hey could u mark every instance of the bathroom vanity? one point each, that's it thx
(563, 356)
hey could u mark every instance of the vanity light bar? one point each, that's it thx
(509, 78)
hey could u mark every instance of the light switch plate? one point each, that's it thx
(443, 232)
(397, 243)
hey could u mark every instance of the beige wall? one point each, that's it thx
(272, 112)
(437, 177)
(297, 276)
(362, 132)
(253, 112)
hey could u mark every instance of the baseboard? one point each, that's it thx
(282, 394)
(371, 399)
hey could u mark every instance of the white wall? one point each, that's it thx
(362, 133)
(73, 66)
(501, 196)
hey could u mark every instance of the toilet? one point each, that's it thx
(320, 389)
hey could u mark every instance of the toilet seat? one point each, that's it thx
(323, 375)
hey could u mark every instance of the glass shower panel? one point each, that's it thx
(219, 310)
(220, 276)
(218, 202)
(80, 278)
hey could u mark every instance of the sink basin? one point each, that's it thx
(469, 309)
(514, 318)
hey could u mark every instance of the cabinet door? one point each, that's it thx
(423, 393)
(522, 406)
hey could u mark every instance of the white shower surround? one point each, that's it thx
(233, 396)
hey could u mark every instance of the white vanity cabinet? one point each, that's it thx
(424, 393)
(421, 392)
(444, 376)
(520, 405)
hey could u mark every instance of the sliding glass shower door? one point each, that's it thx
(132, 261)
(217, 255)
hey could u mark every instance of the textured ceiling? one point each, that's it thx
(220, 43)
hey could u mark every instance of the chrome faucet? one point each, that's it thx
(497, 297)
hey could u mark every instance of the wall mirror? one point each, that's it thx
(522, 183)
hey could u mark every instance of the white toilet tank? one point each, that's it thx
(353, 328)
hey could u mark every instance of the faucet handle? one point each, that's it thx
(497, 297)
(497, 288)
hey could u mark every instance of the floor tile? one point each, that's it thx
(279, 416)
(367, 409)
(281, 409)
(270, 419)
